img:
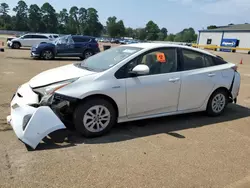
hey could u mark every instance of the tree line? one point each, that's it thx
(79, 20)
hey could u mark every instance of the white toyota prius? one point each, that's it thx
(125, 83)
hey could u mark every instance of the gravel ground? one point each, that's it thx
(190, 150)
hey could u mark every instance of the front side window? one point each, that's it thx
(192, 60)
(209, 61)
(108, 58)
(159, 61)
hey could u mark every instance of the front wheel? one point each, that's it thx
(95, 117)
(217, 103)
(16, 45)
(47, 55)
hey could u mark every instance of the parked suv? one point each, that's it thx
(67, 46)
(29, 40)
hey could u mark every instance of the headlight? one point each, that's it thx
(50, 89)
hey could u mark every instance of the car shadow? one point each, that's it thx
(133, 130)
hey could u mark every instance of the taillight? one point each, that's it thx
(235, 68)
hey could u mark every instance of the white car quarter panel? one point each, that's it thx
(198, 85)
(153, 94)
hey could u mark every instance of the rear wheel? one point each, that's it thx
(47, 55)
(95, 117)
(87, 54)
(217, 103)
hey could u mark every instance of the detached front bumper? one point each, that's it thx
(31, 124)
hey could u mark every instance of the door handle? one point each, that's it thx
(211, 74)
(174, 79)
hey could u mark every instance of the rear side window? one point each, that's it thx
(192, 60)
(209, 61)
(81, 39)
(27, 36)
(39, 37)
(219, 61)
(55, 36)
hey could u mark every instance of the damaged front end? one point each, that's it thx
(35, 114)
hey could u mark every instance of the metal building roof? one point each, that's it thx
(230, 28)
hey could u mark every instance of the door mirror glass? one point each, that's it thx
(140, 70)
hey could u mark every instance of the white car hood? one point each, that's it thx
(58, 74)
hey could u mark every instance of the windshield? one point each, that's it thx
(107, 59)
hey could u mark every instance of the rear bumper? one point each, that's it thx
(31, 124)
(236, 86)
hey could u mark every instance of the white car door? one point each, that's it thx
(157, 92)
(26, 40)
(198, 79)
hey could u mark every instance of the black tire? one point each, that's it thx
(47, 55)
(16, 45)
(87, 54)
(212, 104)
(82, 111)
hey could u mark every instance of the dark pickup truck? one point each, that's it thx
(66, 46)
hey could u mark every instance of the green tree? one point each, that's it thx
(21, 18)
(35, 18)
(5, 18)
(164, 31)
(161, 36)
(93, 26)
(170, 37)
(74, 22)
(186, 35)
(63, 20)
(120, 28)
(49, 18)
(4, 9)
(140, 33)
(83, 19)
(212, 27)
(130, 32)
(111, 26)
(115, 28)
(152, 30)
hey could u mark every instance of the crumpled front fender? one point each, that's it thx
(31, 124)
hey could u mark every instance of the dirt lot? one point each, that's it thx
(184, 151)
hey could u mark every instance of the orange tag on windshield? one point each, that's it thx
(161, 57)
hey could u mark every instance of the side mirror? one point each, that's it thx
(140, 70)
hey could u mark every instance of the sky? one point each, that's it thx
(175, 15)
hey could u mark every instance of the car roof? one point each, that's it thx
(160, 45)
